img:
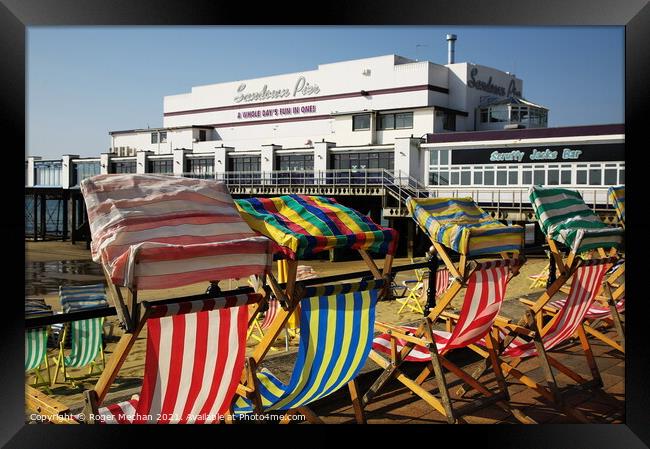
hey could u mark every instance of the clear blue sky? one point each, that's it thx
(85, 81)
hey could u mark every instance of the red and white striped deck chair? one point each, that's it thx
(194, 362)
(568, 322)
(486, 285)
(604, 310)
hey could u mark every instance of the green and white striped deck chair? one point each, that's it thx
(337, 327)
(564, 217)
(36, 342)
(85, 335)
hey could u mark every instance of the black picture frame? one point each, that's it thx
(16, 15)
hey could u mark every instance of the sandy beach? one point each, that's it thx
(51, 256)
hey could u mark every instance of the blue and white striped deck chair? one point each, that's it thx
(337, 325)
(85, 335)
(36, 342)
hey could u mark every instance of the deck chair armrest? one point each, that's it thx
(449, 315)
(401, 333)
(507, 325)
(43, 405)
(546, 308)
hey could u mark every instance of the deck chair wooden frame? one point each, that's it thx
(423, 337)
(290, 298)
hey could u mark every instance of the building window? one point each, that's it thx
(361, 122)
(295, 162)
(162, 166)
(513, 177)
(361, 161)
(123, 167)
(386, 121)
(202, 168)
(595, 176)
(484, 115)
(203, 135)
(581, 174)
(465, 177)
(488, 176)
(610, 175)
(449, 121)
(83, 170)
(434, 157)
(245, 163)
(154, 137)
(163, 137)
(47, 173)
(539, 176)
(553, 176)
(404, 120)
(478, 178)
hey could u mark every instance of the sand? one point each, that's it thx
(130, 376)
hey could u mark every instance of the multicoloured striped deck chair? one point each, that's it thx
(565, 218)
(36, 342)
(194, 359)
(617, 197)
(86, 336)
(486, 286)
(306, 225)
(588, 276)
(336, 334)
(417, 295)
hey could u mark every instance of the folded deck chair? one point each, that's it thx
(587, 276)
(194, 359)
(306, 225)
(459, 225)
(417, 295)
(336, 334)
(160, 232)
(36, 342)
(156, 232)
(86, 336)
(486, 285)
(617, 197)
(565, 218)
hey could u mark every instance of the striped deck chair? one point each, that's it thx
(617, 197)
(194, 359)
(36, 342)
(459, 225)
(486, 286)
(417, 295)
(86, 336)
(604, 311)
(336, 335)
(587, 276)
(565, 218)
(85, 346)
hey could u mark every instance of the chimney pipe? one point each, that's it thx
(451, 43)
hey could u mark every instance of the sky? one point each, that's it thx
(83, 82)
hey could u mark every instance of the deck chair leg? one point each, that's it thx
(58, 361)
(543, 360)
(591, 361)
(496, 366)
(384, 377)
(617, 323)
(359, 413)
(437, 369)
(309, 415)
